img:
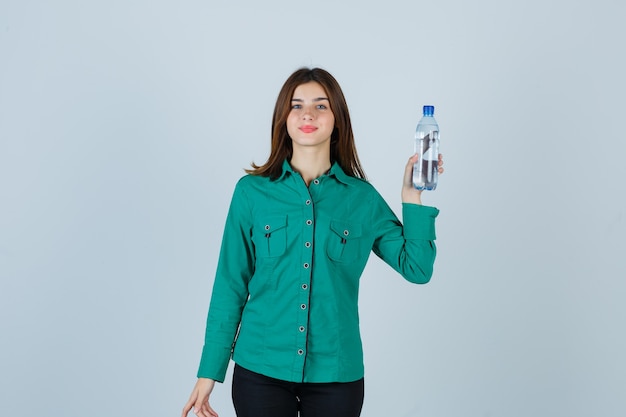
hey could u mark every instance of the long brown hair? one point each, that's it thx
(342, 148)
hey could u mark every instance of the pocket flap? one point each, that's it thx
(272, 224)
(346, 230)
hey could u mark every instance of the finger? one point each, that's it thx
(408, 170)
(207, 411)
(199, 410)
(212, 412)
(187, 408)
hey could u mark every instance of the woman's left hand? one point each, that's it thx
(409, 193)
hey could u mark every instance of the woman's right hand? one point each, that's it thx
(199, 399)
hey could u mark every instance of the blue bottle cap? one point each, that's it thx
(429, 110)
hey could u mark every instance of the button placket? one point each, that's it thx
(306, 270)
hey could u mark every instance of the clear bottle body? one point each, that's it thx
(425, 170)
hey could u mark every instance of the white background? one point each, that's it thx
(124, 126)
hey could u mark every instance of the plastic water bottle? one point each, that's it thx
(425, 170)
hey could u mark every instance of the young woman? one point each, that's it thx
(298, 235)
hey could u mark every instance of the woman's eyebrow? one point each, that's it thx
(315, 99)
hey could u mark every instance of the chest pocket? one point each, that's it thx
(344, 241)
(270, 237)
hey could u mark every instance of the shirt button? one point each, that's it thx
(346, 233)
(303, 306)
(300, 352)
(316, 182)
(304, 286)
(306, 265)
(301, 328)
(309, 222)
(308, 202)
(307, 244)
(267, 227)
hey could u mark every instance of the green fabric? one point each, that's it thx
(289, 270)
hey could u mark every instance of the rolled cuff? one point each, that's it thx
(419, 221)
(214, 362)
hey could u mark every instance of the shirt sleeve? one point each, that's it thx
(230, 289)
(410, 248)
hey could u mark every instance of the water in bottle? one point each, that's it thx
(425, 170)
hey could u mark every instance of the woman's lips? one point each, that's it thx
(308, 129)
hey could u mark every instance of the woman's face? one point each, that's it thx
(311, 121)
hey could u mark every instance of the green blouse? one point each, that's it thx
(285, 296)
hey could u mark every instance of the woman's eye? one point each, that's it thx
(296, 106)
(321, 107)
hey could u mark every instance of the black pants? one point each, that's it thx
(256, 395)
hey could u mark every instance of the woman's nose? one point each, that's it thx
(308, 113)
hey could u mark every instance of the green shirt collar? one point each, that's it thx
(335, 171)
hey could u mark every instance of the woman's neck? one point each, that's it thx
(310, 165)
